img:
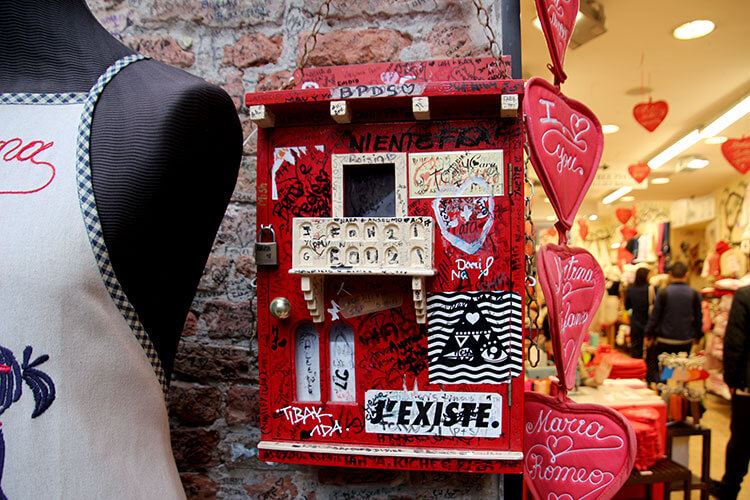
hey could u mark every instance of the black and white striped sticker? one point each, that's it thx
(474, 337)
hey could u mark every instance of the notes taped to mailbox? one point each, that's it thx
(433, 175)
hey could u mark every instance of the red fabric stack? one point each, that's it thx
(624, 366)
(643, 421)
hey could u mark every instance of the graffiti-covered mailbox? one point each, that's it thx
(390, 276)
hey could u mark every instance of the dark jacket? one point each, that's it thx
(737, 341)
(676, 314)
(636, 298)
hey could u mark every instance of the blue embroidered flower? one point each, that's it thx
(11, 376)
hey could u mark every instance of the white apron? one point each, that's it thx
(82, 408)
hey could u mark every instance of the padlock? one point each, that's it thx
(266, 252)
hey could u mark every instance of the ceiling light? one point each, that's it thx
(593, 217)
(551, 218)
(660, 180)
(717, 139)
(697, 163)
(615, 245)
(728, 118)
(693, 29)
(616, 194)
(675, 149)
(610, 129)
(627, 198)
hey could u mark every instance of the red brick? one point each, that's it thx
(229, 320)
(453, 41)
(356, 47)
(273, 81)
(199, 486)
(245, 265)
(188, 329)
(194, 448)
(253, 50)
(243, 405)
(233, 86)
(244, 190)
(212, 363)
(194, 404)
(278, 488)
(218, 13)
(164, 49)
(214, 274)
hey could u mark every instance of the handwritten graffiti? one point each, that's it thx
(564, 143)
(422, 138)
(323, 424)
(465, 267)
(300, 184)
(433, 173)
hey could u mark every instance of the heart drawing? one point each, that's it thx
(650, 114)
(558, 18)
(565, 142)
(639, 171)
(737, 153)
(573, 284)
(465, 222)
(572, 450)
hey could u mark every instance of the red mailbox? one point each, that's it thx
(390, 269)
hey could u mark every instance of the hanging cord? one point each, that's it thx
(532, 303)
(484, 19)
(320, 16)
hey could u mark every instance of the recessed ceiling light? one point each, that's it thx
(615, 245)
(718, 139)
(593, 217)
(627, 198)
(697, 163)
(610, 129)
(693, 29)
(551, 218)
(660, 180)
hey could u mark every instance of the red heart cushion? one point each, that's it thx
(650, 114)
(623, 214)
(573, 286)
(639, 171)
(575, 451)
(737, 153)
(565, 142)
(558, 18)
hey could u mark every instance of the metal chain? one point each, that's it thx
(532, 303)
(320, 16)
(484, 19)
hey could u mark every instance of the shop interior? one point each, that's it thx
(690, 206)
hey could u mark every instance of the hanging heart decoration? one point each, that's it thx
(628, 233)
(650, 114)
(573, 284)
(566, 142)
(623, 214)
(583, 228)
(558, 19)
(639, 171)
(575, 451)
(737, 153)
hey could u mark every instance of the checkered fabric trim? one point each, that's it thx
(59, 98)
(93, 225)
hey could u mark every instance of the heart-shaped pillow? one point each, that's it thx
(565, 141)
(650, 114)
(558, 18)
(639, 171)
(575, 451)
(737, 153)
(573, 285)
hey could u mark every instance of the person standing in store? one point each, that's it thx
(638, 300)
(737, 377)
(675, 322)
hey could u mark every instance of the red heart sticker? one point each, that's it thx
(737, 153)
(558, 18)
(573, 285)
(623, 214)
(575, 451)
(639, 171)
(650, 114)
(565, 141)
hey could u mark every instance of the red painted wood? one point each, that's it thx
(391, 348)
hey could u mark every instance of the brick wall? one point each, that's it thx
(248, 45)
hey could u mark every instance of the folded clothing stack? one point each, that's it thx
(643, 421)
(624, 366)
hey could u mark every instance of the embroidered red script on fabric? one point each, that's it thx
(18, 174)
